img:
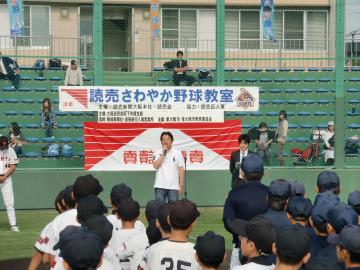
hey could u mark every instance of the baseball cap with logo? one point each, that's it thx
(349, 238)
(293, 241)
(252, 163)
(342, 215)
(354, 198)
(90, 206)
(183, 213)
(120, 192)
(210, 248)
(323, 203)
(86, 185)
(101, 225)
(297, 188)
(80, 248)
(327, 180)
(299, 208)
(259, 230)
(280, 188)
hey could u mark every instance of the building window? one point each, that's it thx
(294, 30)
(179, 28)
(232, 29)
(250, 30)
(316, 32)
(36, 27)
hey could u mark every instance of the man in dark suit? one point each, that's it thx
(9, 71)
(237, 157)
(180, 68)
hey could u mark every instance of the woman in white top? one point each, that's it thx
(329, 144)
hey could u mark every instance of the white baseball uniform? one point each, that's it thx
(168, 254)
(42, 244)
(7, 158)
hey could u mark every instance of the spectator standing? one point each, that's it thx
(73, 75)
(281, 136)
(48, 118)
(329, 144)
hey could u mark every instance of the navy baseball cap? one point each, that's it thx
(299, 208)
(280, 188)
(293, 241)
(152, 209)
(80, 248)
(101, 225)
(323, 203)
(210, 248)
(327, 180)
(90, 206)
(349, 238)
(252, 163)
(297, 188)
(259, 230)
(342, 215)
(86, 185)
(128, 210)
(120, 192)
(354, 198)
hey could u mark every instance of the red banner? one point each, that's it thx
(130, 147)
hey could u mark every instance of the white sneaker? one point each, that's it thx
(14, 228)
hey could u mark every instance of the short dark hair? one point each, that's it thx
(354, 257)
(128, 210)
(164, 212)
(179, 52)
(167, 133)
(245, 138)
(357, 209)
(256, 176)
(321, 227)
(277, 203)
(283, 112)
(59, 200)
(288, 259)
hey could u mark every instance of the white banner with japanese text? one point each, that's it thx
(131, 147)
(157, 102)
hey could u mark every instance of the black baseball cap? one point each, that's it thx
(183, 213)
(259, 230)
(252, 163)
(101, 225)
(349, 238)
(323, 203)
(90, 206)
(293, 241)
(354, 198)
(280, 189)
(68, 199)
(299, 208)
(120, 192)
(210, 248)
(80, 248)
(163, 214)
(327, 180)
(86, 185)
(342, 215)
(297, 188)
(128, 210)
(152, 209)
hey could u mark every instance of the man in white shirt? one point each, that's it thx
(169, 163)
(8, 162)
(257, 237)
(329, 142)
(73, 75)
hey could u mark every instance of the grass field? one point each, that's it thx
(20, 245)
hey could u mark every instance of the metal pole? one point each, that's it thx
(220, 42)
(339, 92)
(98, 42)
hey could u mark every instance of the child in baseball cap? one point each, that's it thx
(299, 210)
(328, 181)
(348, 247)
(354, 201)
(210, 250)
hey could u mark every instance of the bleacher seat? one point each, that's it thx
(293, 126)
(355, 69)
(243, 69)
(325, 80)
(327, 69)
(352, 90)
(24, 89)
(87, 79)
(251, 80)
(2, 126)
(272, 113)
(40, 79)
(310, 80)
(246, 126)
(32, 154)
(305, 91)
(80, 154)
(25, 78)
(265, 80)
(270, 69)
(354, 80)
(64, 125)
(322, 126)
(289, 139)
(273, 126)
(299, 69)
(66, 139)
(293, 101)
(12, 100)
(236, 80)
(284, 69)
(320, 113)
(277, 101)
(313, 69)
(55, 79)
(322, 90)
(354, 101)
(79, 139)
(158, 69)
(33, 139)
(40, 89)
(304, 113)
(28, 113)
(8, 89)
(323, 101)
(274, 91)
(264, 102)
(354, 126)
(290, 113)
(280, 80)
(301, 139)
(308, 101)
(54, 88)
(256, 69)
(31, 125)
(229, 69)
(11, 113)
(307, 126)
(58, 113)
(162, 80)
(352, 113)
(290, 91)
(48, 139)
(294, 80)
(258, 113)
